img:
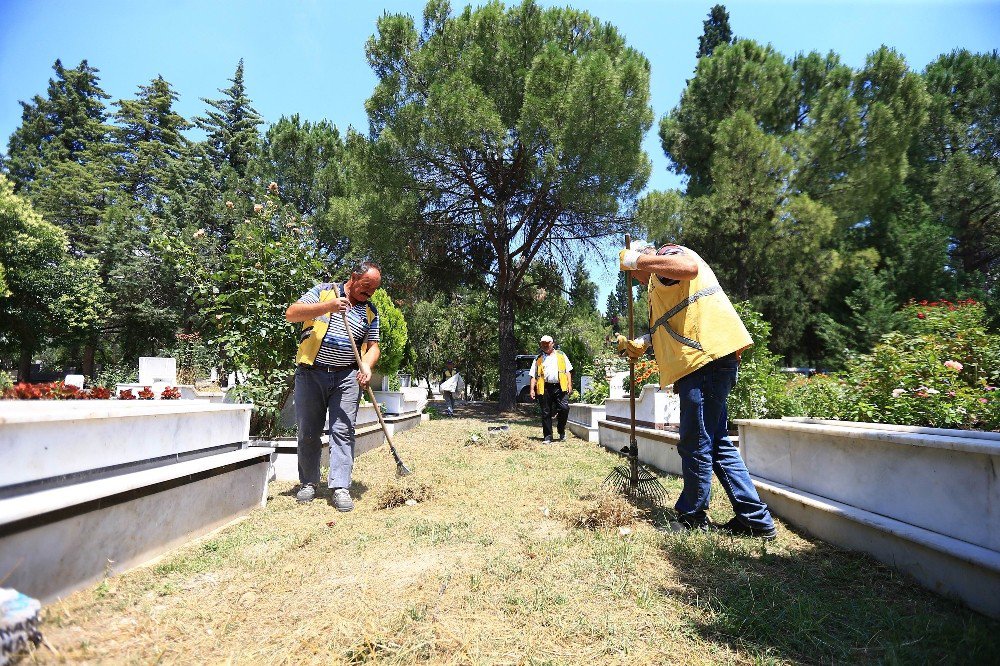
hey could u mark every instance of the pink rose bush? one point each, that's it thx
(941, 372)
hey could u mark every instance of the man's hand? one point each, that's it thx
(338, 304)
(627, 260)
(532, 394)
(364, 375)
(632, 348)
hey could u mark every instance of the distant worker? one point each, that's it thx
(697, 338)
(452, 384)
(328, 380)
(551, 382)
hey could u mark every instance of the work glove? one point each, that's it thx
(632, 348)
(628, 257)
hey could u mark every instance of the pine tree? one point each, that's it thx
(149, 141)
(232, 140)
(716, 31)
(582, 290)
(59, 156)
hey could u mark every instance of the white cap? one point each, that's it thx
(546, 338)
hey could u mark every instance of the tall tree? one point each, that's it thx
(45, 293)
(232, 140)
(310, 164)
(59, 154)
(744, 76)
(520, 127)
(149, 141)
(582, 290)
(716, 31)
(959, 160)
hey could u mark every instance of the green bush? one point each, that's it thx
(762, 390)
(392, 328)
(942, 372)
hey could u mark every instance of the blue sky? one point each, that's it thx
(307, 57)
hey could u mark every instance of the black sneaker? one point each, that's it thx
(736, 528)
(689, 525)
(561, 437)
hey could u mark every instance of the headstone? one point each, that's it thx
(73, 380)
(616, 385)
(157, 370)
(586, 381)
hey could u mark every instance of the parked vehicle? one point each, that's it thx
(524, 362)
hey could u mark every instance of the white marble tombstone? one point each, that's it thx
(157, 370)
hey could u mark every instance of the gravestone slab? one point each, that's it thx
(157, 370)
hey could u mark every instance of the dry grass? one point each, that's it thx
(605, 509)
(499, 440)
(486, 570)
(403, 493)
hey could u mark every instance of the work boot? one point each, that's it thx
(341, 500)
(307, 493)
(737, 528)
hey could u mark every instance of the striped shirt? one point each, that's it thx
(336, 347)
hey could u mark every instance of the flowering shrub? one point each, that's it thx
(942, 372)
(170, 393)
(100, 393)
(646, 372)
(50, 391)
(146, 393)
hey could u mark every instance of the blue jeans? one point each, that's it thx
(317, 394)
(705, 447)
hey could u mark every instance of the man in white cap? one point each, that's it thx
(551, 382)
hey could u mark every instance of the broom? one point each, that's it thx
(401, 469)
(634, 480)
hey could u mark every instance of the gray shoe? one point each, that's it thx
(307, 493)
(341, 500)
(547, 440)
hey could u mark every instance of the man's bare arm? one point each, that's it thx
(299, 311)
(670, 266)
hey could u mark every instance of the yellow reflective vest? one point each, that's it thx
(314, 330)
(540, 372)
(692, 323)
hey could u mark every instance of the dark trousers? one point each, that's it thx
(319, 394)
(554, 401)
(705, 447)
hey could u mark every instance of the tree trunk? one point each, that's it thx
(508, 348)
(24, 365)
(88, 361)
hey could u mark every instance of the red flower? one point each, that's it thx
(146, 394)
(921, 315)
(126, 394)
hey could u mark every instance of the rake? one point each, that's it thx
(634, 480)
(401, 468)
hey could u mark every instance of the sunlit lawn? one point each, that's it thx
(492, 568)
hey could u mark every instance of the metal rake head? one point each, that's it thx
(646, 486)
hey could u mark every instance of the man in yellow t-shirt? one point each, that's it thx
(697, 338)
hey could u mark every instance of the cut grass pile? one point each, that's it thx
(487, 569)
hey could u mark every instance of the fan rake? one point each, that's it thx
(634, 480)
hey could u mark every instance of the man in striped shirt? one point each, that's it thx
(328, 379)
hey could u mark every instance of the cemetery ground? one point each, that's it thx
(508, 552)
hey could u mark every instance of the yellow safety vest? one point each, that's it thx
(540, 372)
(692, 323)
(314, 330)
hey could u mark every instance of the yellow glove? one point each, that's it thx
(627, 260)
(632, 348)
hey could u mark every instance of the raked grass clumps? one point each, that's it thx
(496, 563)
